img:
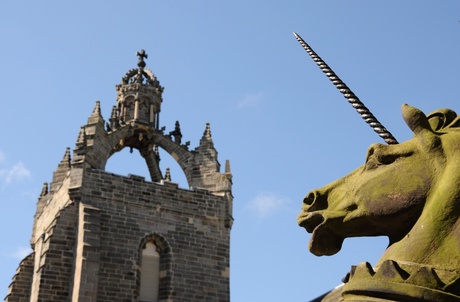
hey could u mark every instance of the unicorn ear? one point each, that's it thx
(441, 118)
(415, 119)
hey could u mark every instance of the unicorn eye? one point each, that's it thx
(376, 158)
(382, 155)
(386, 159)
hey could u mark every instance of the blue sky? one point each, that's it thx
(235, 64)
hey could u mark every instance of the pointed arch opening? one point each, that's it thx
(150, 273)
(155, 269)
(124, 162)
(176, 172)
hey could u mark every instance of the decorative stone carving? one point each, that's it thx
(409, 192)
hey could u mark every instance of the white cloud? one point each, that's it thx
(266, 204)
(16, 173)
(21, 252)
(250, 100)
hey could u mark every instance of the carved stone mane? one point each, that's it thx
(409, 192)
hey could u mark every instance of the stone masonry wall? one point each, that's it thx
(194, 267)
(19, 290)
(56, 258)
(88, 246)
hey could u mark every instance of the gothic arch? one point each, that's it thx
(179, 153)
(166, 264)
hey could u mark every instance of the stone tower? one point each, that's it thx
(98, 236)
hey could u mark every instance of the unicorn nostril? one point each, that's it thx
(310, 198)
(315, 201)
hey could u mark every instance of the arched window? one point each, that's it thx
(150, 273)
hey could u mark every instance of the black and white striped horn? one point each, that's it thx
(349, 95)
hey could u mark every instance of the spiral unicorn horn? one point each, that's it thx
(349, 95)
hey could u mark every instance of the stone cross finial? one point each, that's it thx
(141, 55)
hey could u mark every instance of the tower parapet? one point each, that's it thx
(134, 123)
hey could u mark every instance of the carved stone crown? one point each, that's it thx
(139, 97)
(140, 79)
(402, 281)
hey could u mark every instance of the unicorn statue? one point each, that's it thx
(409, 192)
